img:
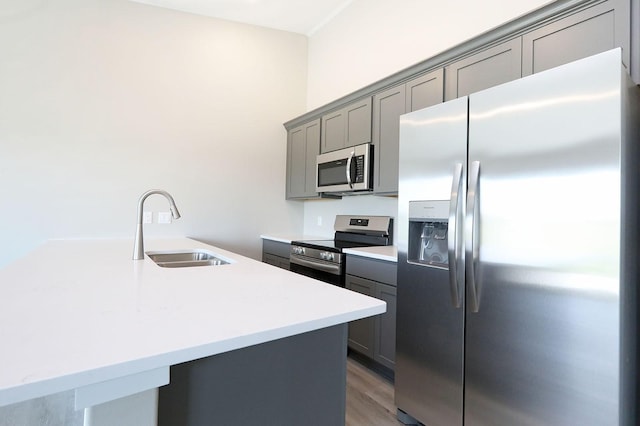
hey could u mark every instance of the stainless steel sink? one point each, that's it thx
(185, 258)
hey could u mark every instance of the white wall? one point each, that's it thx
(372, 39)
(101, 100)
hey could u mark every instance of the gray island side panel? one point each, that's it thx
(297, 380)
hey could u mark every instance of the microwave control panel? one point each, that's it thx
(359, 166)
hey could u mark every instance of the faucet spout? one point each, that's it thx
(138, 243)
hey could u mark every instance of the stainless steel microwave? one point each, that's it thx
(345, 170)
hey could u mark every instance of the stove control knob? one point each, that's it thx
(298, 250)
(326, 256)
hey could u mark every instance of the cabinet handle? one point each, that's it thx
(454, 242)
(472, 241)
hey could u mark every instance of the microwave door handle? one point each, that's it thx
(353, 154)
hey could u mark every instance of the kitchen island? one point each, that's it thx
(81, 315)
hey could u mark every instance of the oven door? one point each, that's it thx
(324, 271)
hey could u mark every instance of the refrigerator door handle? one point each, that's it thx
(472, 239)
(454, 243)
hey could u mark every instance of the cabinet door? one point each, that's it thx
(348, 126)
(333, 131)
(303, 147)
(387, 108)
(358, 122)
(488, 68)
(362, 332)
(385, 337)
(277, 261)
(425, 91)
(284, 263)
(593, 30)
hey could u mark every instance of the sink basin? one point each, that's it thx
(186, 258)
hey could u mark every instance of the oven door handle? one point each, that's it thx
(325, 267)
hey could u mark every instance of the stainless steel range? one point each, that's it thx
(324, 259)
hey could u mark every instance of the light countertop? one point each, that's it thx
(78, 312)
(288, 238)
(388, 253)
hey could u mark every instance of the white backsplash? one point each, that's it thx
(319, 215)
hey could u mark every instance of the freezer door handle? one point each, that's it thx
(472, 238)
(454, 243)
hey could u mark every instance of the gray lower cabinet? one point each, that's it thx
(388, 106)
(374, 337)
(303, 145)
(362, 332)
(490, 67)
(276, 253)
(385, 334)
(348, 126)
(588, 32)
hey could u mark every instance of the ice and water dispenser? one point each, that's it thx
(428, 227)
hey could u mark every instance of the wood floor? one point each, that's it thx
(369, 398)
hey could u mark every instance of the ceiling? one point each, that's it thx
(299, 16)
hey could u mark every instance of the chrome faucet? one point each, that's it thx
(138, 243)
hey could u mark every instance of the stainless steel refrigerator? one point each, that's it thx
(518, 251)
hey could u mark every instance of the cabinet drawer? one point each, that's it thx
(276, 248)
(373, 269)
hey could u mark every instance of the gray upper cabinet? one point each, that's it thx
(490, 67)
(388, 106)
(333, 131)
(358, 122)
(303, 145)
(585, 33)
(557, 33)
(424, 91)
(347, 126)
